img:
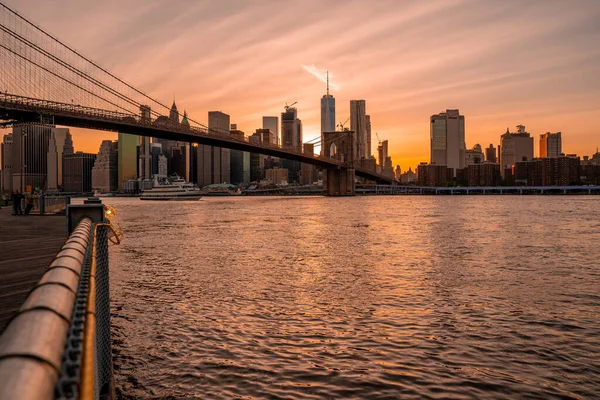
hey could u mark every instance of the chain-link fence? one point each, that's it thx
(103, 341)
(61, 336)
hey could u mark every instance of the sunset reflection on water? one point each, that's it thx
(365, 297)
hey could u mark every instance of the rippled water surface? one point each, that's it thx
(364, 297)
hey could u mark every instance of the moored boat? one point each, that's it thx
(175, 190)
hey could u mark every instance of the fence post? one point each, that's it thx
(42, 204)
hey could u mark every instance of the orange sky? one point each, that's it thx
(502, 63)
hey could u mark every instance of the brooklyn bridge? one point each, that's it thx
(43, 80)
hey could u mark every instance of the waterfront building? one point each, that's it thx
(166, 122)
(369, 163)
(483, 174)
(291, 128)
(52, 168)
(266, 135)
(30, 156)
(327, 112)
(127, 164)
(397, 172)
(213, 163)
(105, 170)
(272, 124)
(163, 167)
(291, 136)
(474, 155)
(240, 160)
(528, 172)
(358, 125)
(277, 176)
(308, 172)
(515, 146)
(561, 170)
(179, 161)
(550, 144)
(257, 161)
(145, 158)
(433, 175)
(385, 161)
(490, 154)
(447, 135)
(7, 164)
(548, 171)
(369, 149)
(382, 152)
(408, 176)
(77, 172)
(61, 142)
(589, 169)
(155, 152)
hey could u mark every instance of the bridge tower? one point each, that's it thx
(339, 181)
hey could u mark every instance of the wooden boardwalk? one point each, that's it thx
(28, 244)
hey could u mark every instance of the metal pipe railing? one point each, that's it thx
(33, 344)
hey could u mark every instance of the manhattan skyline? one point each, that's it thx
(501, 64)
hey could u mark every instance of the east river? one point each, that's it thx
(467, 297)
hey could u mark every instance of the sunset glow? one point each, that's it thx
(535, 63)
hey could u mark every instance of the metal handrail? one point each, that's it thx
(33, 344)
(89, 341)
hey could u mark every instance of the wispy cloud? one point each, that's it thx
(321, 74)
(500, 63)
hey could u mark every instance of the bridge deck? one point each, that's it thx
(27, 246)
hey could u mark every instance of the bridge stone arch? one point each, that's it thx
(339, 181)
(342, 143)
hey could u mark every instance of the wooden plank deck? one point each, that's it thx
(28, 244)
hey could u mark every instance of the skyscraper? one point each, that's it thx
(369, 149)
(7, 164)
(358, 124)
(240, 160)
(77, 172)
(474, 155)
(490, 154)
(155, 152)
(515, 146)
(447, 135)
(60, 143)
(145, 160)
(309, 173)
(128, 160)
(104, 172)
(291, 136)
(291, 128)
(30, 156)
(163, 121)
(213, 163)
(272, 123)
(550, 144)
(327, 112)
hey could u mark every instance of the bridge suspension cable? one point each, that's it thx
(36, 64)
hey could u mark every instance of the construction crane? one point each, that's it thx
(378, 140)
(286, 105)
(341, 124)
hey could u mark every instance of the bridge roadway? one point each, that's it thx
(28, 244)
(19, 109)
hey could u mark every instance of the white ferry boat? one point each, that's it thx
(176, 190)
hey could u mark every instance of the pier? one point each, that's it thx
(29, 243)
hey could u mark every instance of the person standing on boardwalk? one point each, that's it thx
(16, 200)
(20, 198)
(30, 199)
